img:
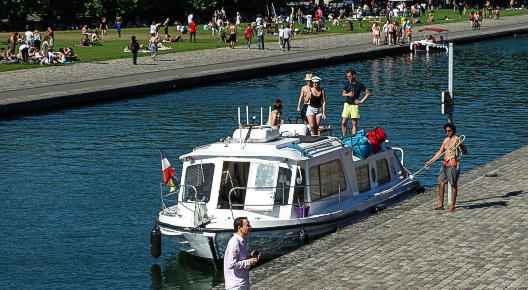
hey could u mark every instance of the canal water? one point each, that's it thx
(80, 187)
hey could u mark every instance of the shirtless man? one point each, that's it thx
(305, 97)
(450, 169)
(118, 21)
(232, 35)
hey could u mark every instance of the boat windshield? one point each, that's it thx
(198, 182)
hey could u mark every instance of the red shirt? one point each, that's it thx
(193, 27)
(248, 32)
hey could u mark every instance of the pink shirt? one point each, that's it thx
(236, 263)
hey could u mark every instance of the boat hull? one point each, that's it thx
(210, 243)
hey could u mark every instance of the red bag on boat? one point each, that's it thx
(376, 137)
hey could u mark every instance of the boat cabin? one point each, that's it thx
(269, 172)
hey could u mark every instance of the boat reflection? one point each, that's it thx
(184, 271)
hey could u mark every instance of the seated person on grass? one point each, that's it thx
(86, 41)
(93, 35)
(177, 39)
(70, 55)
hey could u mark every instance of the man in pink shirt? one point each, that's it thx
(237, 260)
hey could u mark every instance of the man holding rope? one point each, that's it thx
(451, 146)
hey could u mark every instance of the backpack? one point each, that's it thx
(376, 137)
(360, 144)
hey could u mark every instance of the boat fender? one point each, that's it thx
(303, 238)
(421, 189)
(155, 242)
(337, 228)
(380, 207)
(427, 48)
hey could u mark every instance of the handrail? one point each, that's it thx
(329, 197)
(164, 198)
(338, 195)
(401, 150)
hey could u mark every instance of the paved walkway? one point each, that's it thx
(483, 244)
(25, 90)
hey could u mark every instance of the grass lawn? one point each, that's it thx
(113, 46)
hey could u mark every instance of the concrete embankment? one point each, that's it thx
(63, 86)
(483, 244)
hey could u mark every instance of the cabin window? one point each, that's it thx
(383, 171)
(198, 182)
(282, 192)
(327, 179)
(266, 176)
(234, 175)
(363, 178)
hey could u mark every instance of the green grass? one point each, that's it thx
(113, 46)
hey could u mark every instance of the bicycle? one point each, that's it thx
(476, 25)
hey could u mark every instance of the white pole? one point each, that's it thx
(450, 80)
(261, 116)
(450, 118)
(247, 115)
(239, 117)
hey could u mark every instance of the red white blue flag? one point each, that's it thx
(166, 167)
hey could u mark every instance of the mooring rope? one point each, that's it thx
(453, 147)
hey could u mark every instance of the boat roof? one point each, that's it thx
(294, 148)
(433, 29)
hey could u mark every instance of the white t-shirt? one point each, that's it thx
(190, 18)
(22, 47)
(29, 35)
(152, 29)
(259, 20)
(286, 33)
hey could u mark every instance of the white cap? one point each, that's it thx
(316, 79)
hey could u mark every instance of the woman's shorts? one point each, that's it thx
(311, 111)
(350, 111)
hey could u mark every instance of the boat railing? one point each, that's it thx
(171, 198)
(247, 116)
(305, 188)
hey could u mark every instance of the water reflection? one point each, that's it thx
(184, 270)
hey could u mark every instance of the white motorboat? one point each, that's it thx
(292, 187)
(429, 42)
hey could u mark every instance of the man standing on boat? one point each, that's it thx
(237, 260)
(352, 92)
(450, 170)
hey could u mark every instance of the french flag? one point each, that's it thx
(166, 167)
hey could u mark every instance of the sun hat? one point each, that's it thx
(308, 77)
(316, 79)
